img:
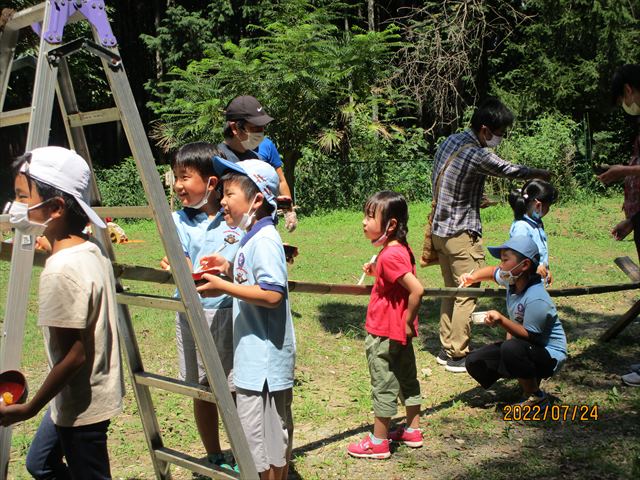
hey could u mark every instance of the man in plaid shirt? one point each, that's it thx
(457, 231)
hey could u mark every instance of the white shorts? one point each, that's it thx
(191, 368)
(268, 425)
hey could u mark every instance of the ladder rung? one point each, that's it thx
(175, 386)
(150, 301)
(192, 463)
(142, 211)
(92, 118)
(26, 17)
(15, 117)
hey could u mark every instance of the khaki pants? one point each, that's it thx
(457, 255)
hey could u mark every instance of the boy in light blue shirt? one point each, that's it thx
(263, 337)
(202, 230)
(535, 346)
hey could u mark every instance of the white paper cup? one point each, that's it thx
(478, 317)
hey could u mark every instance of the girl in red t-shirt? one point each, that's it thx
(391, 324)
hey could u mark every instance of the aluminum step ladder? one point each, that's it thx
(52, 78)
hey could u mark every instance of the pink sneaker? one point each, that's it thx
(365, 448)
(410, 439)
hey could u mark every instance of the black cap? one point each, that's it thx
(246, 107)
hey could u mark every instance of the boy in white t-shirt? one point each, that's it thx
(78, 313)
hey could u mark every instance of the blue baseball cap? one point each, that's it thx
(260, 172)
(521, 244)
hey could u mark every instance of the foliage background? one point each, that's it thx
(362, 92)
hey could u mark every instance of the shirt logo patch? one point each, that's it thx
(519, 313)
(240, 276)
(231, 239)
(241, 260)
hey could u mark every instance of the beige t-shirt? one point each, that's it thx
(77, 290)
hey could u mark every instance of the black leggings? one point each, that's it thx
(514, 358)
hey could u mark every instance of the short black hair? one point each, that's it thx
(250, 190)
(197, 155)
(491, 113)
(520, 199)
(390, 205)
(75, 218)
(626, 74)
(228, 131)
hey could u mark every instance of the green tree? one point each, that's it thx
(307, 72)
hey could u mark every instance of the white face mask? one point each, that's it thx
(508, 278)
(205, 199)
(247, 218)
(19, 218)
(633, 109)
(254, 139)
(495, 141)
(383, 238)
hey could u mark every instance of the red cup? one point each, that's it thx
(14, 382)
(197, 276)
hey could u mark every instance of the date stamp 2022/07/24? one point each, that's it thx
(555, 413)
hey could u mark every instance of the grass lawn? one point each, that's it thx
(466, 436)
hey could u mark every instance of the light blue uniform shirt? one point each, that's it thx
(528, 227)
(200, 236)
(536, 312)
(263, 338)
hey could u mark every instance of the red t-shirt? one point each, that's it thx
(389, 300)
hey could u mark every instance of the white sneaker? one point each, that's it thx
(632, 379)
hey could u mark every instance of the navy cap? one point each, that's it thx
(521, 244)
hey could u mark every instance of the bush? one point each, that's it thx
(120, 185)
(400, 162)
(548, 142)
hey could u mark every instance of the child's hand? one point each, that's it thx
(214, 286)
(408, 329)
(545, 273)
(10, 414)
(493, 318)
(369, 268)
(164, 264)
(622, 229)
(214, 261)
(465, 280)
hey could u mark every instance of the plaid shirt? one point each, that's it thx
(462, 184)
(631, 204)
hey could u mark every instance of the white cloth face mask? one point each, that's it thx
(633, 109)
(205, 199)
(255, 139)
(19, 218)
(247, 218)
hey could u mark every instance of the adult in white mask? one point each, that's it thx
(246, 120)
(625, 92)
(461, 165)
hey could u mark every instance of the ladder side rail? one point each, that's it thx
(142, 394)
(8, 42)
(155, 193)
(22, 257)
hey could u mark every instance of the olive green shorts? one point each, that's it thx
(393, 375)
